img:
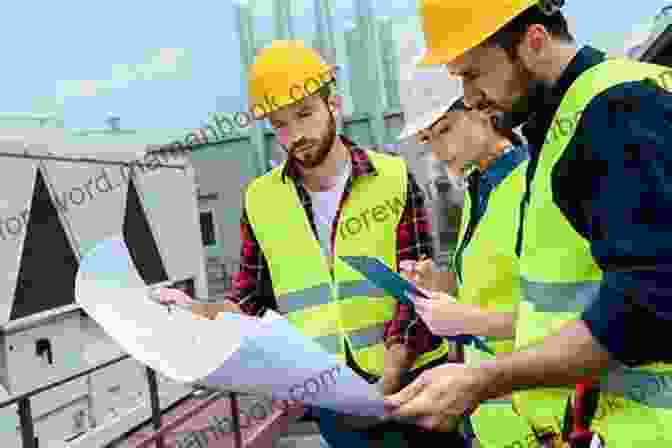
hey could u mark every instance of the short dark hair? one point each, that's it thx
(325, 91)
(511, 35)
(509, 134)
(457, 105)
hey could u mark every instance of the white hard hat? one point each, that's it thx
(426, 94)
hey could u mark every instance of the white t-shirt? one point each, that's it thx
(325, 205)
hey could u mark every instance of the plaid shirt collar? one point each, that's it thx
(361, 163)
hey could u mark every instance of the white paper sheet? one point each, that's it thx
(234, 352)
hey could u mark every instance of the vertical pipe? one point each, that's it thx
(328, 12)
(247, 50)
(282, 15)
(156, 406)
(26, 421)
(371, 42)
(352, 48)
(391, 65)
(321, 43)
(336, 48)
(235, 420)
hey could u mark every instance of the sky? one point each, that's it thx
(161, 64)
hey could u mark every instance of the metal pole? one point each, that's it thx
(50, 386)
(371, 43)
(282, 10)
(156, 406)
(247, 49)
(26, 420)
(85, 160)
(235, 419)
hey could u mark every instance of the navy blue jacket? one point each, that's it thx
(614, 185)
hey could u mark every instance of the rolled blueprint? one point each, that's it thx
(234, 352)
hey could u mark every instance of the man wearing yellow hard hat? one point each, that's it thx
(594, 241)
(332, 199)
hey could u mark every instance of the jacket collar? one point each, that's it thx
(545, 102)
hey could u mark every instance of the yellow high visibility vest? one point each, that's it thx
(346, 309)
(490, 273)
(490, 280)
(559, 277)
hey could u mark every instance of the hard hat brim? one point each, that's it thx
(445, 43)
(433, 58)
(445, 55)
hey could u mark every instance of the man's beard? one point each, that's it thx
(324, 144)
(521, 110)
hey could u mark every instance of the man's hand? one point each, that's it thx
(440, 395)
(172, 296)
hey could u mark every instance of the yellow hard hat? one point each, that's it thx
(283, 73)
(452, 27)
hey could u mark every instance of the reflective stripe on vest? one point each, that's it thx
(321, 295)
(559, 275)
(345, 308)
(359, 339)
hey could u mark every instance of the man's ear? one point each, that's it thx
(335, 103)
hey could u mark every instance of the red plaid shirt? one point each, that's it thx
(252, 284)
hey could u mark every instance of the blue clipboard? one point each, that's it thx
(382, 276)
(397, 286)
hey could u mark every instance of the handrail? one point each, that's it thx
(28, 430)
(28, 439)
(50, 386)
(197, 409)
(87, 160)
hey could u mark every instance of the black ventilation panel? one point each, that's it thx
(48, 266)
(140, 241)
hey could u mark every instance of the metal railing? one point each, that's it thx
(29, 439)
(23, 401)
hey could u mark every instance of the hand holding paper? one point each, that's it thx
(235, 352)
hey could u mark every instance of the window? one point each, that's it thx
(208, 228)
